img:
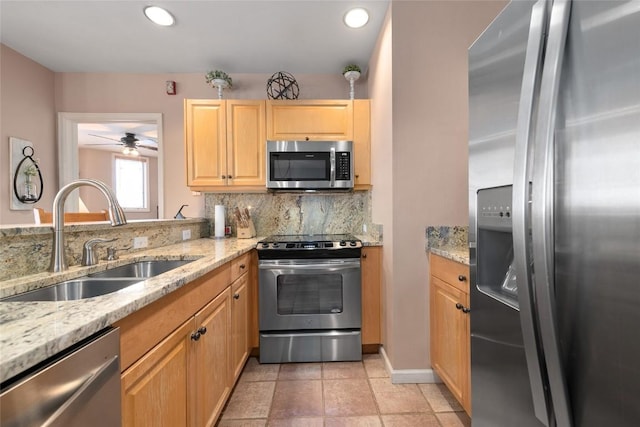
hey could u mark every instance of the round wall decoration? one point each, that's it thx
(282, 85)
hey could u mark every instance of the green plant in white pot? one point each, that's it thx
(219, 79)
(352, 73)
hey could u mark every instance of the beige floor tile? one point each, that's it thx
(300, 371)
(454, 419)
(342, 370)
(250, 400)
(410, 420)
(375, 366)
(296, 422)
(242, 423)
(254, 371)
(440, 398)
(348, 397)
(398, 398)
(297, 399)
(367, 421)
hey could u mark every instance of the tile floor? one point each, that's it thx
(337, 394)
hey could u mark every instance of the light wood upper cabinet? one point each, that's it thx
(225, 143)
(312, 120)
(205, 142)
(362, 142)
(370, 262)
(449, 326)
(246, 143)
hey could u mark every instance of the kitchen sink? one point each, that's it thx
(142, 269)
(101, 283)
(85, 287)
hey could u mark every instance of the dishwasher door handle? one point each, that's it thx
(105, 371)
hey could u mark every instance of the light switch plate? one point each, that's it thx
(140, 242)
(186, 234)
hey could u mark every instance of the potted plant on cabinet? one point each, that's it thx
(352, 73)
(219, 79)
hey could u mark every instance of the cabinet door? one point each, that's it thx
(319, 120)
(205, 142)
(370, 270)
(450, 338)
(239, 324)
(362, 142)
(212, 383)
(155, 388)
(246, 143)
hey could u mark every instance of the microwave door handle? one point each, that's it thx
(333, 167)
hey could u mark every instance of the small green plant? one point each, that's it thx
(351, 67)
(218, 74)
(30, 170)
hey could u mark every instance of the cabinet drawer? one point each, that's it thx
(240, 265)
(450, 271)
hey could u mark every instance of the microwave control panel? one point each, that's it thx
(343, 166)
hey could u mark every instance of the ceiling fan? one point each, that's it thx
(130, 143)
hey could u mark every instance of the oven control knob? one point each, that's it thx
(265, 245)
(276, 245)
(343, 243)
(352, 243)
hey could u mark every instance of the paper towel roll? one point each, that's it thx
(218, 221)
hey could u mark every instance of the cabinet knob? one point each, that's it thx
(202, 330)
(236, 296)
(195, 336)
(364, 255)
(466, 309)
(459, 306)
(462, 278)
(224, 176)
(242, 266)
(306, 138)
(230, 177)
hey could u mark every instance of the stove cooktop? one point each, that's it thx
(308, 243)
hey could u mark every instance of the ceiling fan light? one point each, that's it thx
(356, 18)
(159, 16)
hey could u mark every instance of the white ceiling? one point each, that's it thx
(106, 136)
(240, 36)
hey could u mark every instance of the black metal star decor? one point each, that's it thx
(282, 85)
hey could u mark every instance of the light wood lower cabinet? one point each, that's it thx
(182, 354)
(370, 262)
(449, 326)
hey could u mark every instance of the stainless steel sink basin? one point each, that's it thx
(75, 289)
(142, 269)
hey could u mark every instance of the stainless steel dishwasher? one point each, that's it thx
(78, 387)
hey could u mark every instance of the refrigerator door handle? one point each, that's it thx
(520, 199)
(542, 209)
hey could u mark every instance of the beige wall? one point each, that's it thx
(33, 95)
(26, 112)
(428, 153)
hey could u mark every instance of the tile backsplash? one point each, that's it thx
(298, 213)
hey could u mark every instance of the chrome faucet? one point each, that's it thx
(116, 217)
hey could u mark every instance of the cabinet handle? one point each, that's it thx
(462, 278)
(202, 330)
(306, 138)
(236, 296)
(459, 306)
(230, 177)
(195, 336)
(466, 309)
(242, 266)
(224, 176)
(364, 255)
(357, 176)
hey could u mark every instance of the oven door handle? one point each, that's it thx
(326, 266)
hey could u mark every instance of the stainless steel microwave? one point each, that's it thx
(310, 165)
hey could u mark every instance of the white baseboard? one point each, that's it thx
(409, 376)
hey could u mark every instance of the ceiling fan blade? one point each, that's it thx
(101, 143)
(148, 147)
(105, 137)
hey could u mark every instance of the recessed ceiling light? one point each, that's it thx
(159, 16)
(356, 18)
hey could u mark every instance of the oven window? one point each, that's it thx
(309, 294)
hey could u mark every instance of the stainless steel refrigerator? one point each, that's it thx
(554, 201)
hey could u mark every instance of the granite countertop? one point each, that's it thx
(448, 241)
(454, 253)
(30, 332)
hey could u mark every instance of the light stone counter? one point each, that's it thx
(448, 241)
(30, 332)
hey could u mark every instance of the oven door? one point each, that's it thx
(309, 294)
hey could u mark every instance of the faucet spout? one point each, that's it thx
(116, 217)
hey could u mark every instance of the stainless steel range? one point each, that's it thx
(310, 298)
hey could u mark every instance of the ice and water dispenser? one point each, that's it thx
(496, 274)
